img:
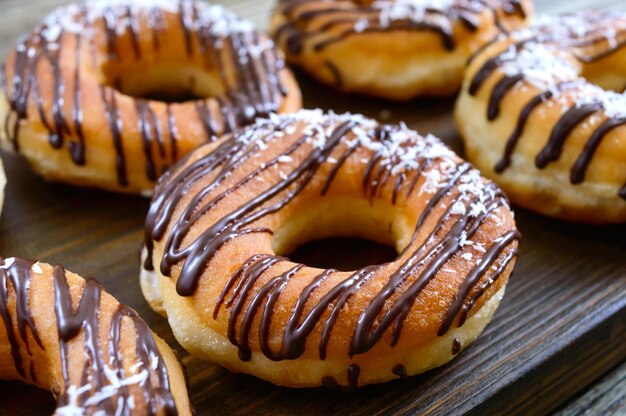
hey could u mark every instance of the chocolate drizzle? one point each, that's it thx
(249, 297)
(343, 19)
(562, 129)
(115, 125)
(18, 276)
(400, 371)
(456, 346)
(353, 376)
(92, 391)
(574, 37)
(252, 86)
(521, 124)
(581, 165)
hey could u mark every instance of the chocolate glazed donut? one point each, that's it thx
(397, 49)
(554, 140)
(223, 219)
(67, 335)
(112, 93)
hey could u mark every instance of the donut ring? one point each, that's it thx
(533, 121)
(395, 49)
(222, 219)
(69, 105)
(67, 335)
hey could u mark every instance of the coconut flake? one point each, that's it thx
(36, 268)
(361, 24)
(219, 21)
(72, 408)
(541, 65)
(7, 263)
(413, 10)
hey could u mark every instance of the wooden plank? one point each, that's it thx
(561, 326)
(606, 397)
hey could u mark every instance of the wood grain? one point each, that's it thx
(561, 326)
(606, 397)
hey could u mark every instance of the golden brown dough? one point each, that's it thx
(396, 49)
(83, 93)
(538, 114)
(222, 221)
(67, 335)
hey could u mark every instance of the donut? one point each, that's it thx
(67, 335)
(223, 221)
(394, 49)
(110, 93)
(539, 114)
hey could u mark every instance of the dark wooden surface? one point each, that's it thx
(557, 342)
(606, 397)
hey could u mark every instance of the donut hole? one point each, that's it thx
(44, 399)
(610, 79)
(166, 82)
(342, 233)
(607, 73)
(343, 253)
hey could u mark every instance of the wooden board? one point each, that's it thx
(561, 326)
(607, 396)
